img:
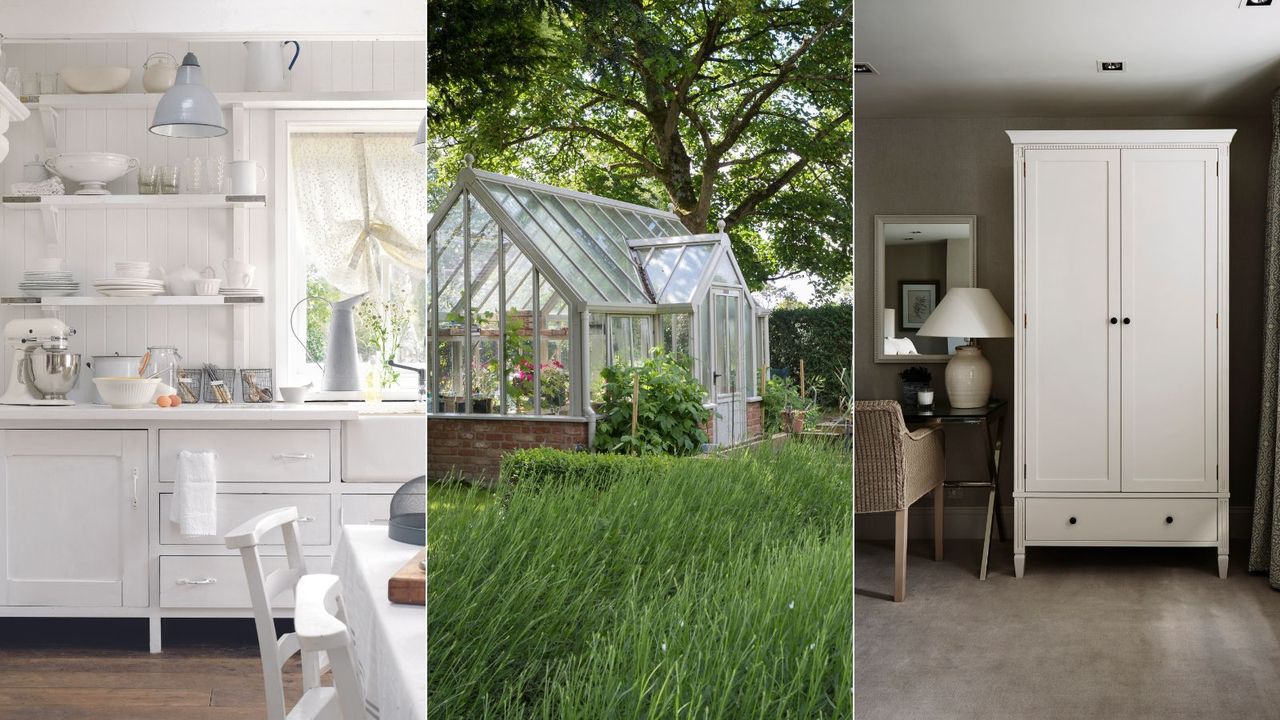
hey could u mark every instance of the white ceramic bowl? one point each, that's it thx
(93, 170)
(127, 392)
(295, 394)
(95, 78)
(206, 287)
(133, 273)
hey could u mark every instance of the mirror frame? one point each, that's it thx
(878, 319)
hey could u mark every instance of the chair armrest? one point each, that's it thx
(925, 462)
(927, 430)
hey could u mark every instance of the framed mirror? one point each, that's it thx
(918, 259)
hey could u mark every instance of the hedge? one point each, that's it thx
(823, 337)
(545, 466)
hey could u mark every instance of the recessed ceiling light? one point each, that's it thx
(1257, 3)
(1110, 66)
(864, 69)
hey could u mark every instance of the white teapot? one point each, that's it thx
(181, 281)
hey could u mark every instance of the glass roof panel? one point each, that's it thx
(631, 231)
(687, 274)
(566, 256)
(587, 234)
(674, 228)
(724, 272)
(589, 216)
(659, 263)
(648, 223)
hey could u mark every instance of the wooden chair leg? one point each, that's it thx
(900, 555)
(937, 522)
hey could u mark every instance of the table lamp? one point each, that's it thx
(968, 313)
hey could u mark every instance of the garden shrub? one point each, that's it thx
(545, 466)
(780, 394)
(823, 337)
(671, 414)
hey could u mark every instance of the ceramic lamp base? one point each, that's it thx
(968, 378)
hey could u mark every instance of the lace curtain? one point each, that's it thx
(358, 197)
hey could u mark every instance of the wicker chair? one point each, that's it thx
(893, 468)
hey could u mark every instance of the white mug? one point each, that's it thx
(245, 176)
(239, 273)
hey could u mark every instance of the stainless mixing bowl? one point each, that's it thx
(55, 372)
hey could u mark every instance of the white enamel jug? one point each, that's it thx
(265, 70)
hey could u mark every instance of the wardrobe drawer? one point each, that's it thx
(218, 581)
(1122, 520)
(313, 518)
(365, 509)
(278, 456)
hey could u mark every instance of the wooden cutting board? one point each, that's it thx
(409, 585)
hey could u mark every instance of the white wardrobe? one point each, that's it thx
(1121, 344)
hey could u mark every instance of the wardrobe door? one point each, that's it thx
(1072, 291)
(1169, 296)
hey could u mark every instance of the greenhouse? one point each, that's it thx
(536, 289)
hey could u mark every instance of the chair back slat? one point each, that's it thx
(320, 630)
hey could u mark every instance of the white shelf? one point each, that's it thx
(96, 301)
(31, 202)
(324, 100)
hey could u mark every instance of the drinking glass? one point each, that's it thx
(30, 83)
(149, 180)
(218, 174)
(169, 180)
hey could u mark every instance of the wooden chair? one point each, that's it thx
(266, 587)
(893, 468)
(321, 631)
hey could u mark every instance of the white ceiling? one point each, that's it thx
(985, 58)
(916, 233)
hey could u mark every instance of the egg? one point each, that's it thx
(175, 400)
(164, 401)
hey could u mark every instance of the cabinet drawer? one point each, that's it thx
(280, 456)
(313, 518)
(218, 581)
(365, 509)
(1136, 520)
(391, 448)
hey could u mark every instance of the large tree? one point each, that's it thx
(734, 110)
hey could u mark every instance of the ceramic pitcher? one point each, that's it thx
(265, 70)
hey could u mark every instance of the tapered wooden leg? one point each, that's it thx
(1222, 566)
(937, 523)
(1019, 564)
(900, 555)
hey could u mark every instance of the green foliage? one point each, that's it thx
(545, 466)
(780, 394)
(823, 338)
(318, 315)
(718, 589)
(739, 111)
(671, 414)
(380, 328)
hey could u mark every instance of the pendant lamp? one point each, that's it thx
(188, 109)
(420, 143)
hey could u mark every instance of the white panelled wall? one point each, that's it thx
(94, 239)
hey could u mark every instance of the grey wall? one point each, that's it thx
(964, 166)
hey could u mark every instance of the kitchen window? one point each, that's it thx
(356, 226)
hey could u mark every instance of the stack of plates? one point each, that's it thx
(240, 292)
(48, 283)
(128, 287)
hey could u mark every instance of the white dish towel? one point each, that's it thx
(195, 497)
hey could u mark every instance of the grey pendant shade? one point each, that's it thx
(420, 143)
(188, 109)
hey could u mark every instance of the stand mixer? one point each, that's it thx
(43, 370)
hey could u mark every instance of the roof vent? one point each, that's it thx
(1110, 66)
(864, 69)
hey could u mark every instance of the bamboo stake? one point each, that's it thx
(635, 404)
(764, 380)
(801, 377)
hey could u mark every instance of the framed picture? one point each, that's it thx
(918, 298)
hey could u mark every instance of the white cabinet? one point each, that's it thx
(74, 518)
(1121, 352)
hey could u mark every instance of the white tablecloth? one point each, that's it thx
(390, 640)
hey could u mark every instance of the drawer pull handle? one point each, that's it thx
(380, 521)
(1072, 520)
(294, 456)
(198, 581)
(1168, 520)
(307, 518)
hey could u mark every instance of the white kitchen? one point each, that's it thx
(212, 294)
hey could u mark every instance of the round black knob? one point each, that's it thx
(1114, 321)
(1072, 520)
(1126, 321)
(1168, 520)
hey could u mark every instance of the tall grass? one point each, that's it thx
(720, 590)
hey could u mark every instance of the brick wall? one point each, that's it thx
(755, 419)
(475, 446)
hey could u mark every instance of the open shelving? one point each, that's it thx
(277, 100)
(34, 202)
(103, 301)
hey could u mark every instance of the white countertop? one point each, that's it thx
(206, 412)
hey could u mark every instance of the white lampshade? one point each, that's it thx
(420, 142)
(188, 109)
(968, 313)
(890, 329)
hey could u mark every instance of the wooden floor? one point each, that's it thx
(78, 669)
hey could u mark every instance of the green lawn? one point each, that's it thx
(719, 590)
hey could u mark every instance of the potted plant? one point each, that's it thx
(914, 379)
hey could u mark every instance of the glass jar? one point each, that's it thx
(165, 363)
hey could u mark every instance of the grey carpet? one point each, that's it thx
(1086, 633)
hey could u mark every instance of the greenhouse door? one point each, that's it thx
(726, 363)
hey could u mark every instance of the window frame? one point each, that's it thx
(289, 281)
